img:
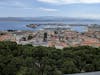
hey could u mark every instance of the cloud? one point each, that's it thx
(48, 9)
(69, 1)
(89, 1)
(48, 1)
(14, 4)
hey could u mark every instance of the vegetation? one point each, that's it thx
(30, 37)
(29, 60)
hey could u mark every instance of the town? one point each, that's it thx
(55, 36)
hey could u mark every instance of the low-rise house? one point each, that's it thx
(7, 37)
(21, 36)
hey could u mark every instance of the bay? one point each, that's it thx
(12, 25)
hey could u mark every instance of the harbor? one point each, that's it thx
(59, 35)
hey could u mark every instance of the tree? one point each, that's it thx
(29, 60)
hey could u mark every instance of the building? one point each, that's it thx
(94, 28)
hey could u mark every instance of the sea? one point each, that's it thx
(12, 25)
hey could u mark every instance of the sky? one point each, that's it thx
(61, 8)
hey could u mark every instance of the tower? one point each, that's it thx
(45, 37)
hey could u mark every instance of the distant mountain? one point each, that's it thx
(16, 19)
(44, 18)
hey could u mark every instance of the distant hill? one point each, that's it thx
(44, 18)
